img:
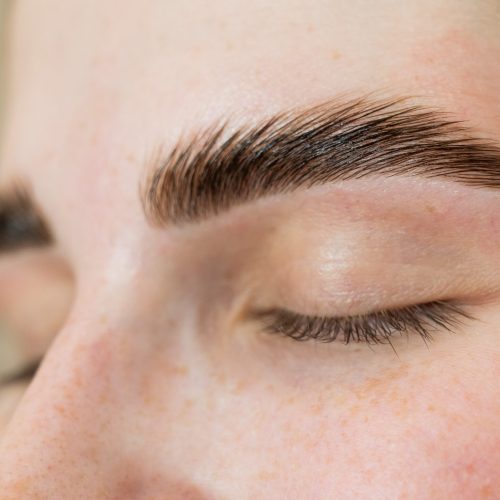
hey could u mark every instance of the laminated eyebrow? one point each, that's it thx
(217, 169)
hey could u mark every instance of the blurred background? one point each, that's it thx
(6, 349)
(3, 9)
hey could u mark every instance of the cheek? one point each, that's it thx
(419, 436)
(457, 438)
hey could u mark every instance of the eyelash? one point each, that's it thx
(375, 328)
(23, 374)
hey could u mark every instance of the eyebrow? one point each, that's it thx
(22, 224)
(217, 169)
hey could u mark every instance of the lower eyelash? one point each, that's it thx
(375, 328)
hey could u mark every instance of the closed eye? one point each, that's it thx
(374, 328)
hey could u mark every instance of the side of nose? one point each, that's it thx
(76, 432)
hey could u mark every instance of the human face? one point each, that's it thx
(160, 378)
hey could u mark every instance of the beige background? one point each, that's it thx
(3, 4)
(7, 357)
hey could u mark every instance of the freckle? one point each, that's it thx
(469, 397)
(239, 387)
(368, 474)
(402, 405)
(265, 475)
(60, 409)
(338, 399)
(316, 408)
(179, 370)
(470, 469)
(270, 388)
(147, 400)
(289, 427)
(103, 398)
(188, 404)
(335, 55)
(22, 485)
(368, 387)
(220, 377)
(486, 491)
(354, 409)
(431, 408)
(374, 384)
(431, 209)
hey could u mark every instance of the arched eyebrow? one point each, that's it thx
(216, 170)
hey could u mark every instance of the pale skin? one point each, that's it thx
(155, 386)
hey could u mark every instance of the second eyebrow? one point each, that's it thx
(21, 222)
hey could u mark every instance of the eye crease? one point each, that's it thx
(373, 328)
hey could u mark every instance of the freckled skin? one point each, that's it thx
(154, 387)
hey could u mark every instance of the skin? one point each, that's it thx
(156, 386)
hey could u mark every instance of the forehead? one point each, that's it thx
(226, 52)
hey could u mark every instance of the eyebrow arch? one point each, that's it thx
(22, 224)
(216, 170)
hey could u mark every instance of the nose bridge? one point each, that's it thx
(71, 421)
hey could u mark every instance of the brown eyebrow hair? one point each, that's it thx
(216, 170)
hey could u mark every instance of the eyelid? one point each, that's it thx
(373, 328)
